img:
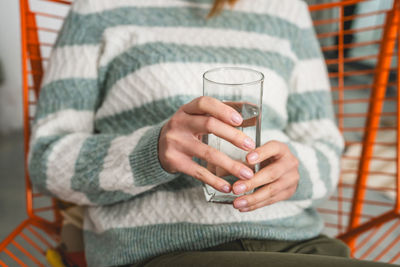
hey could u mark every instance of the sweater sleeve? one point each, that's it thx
(312, 134)
(68, 158)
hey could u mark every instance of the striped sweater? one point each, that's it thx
(121, 68)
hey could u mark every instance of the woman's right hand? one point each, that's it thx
(180, 141)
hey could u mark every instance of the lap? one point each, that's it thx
(254, 259)
(319, 251)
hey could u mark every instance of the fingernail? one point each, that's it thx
(249, 143)
(253, 156)
(226, 188)
(241, 203)
(245, 173)
(239, 188)
(236, 118)
(244, 209)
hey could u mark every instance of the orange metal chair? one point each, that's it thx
(364, 77)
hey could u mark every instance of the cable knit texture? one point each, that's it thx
(121, 68)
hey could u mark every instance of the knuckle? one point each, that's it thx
(210, 124)
(295, 162)
(170, 161)
(284, 146)
(274, 146)
(236, 168)
(169, 156)
(172, 158)
(273, 189)
(175, 121)
(202, 102)
(200, 174)
(170, 137)
(273, 172)
(253, 199)
(238, 135)
(208, 154)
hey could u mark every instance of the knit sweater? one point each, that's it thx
(120, 69)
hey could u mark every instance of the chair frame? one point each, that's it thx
(32, 68)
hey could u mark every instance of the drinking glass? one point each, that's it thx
(242, 89)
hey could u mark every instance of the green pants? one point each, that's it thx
(321, 251)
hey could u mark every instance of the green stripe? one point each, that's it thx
(304, 189)
(305, 186)
(78, 94)
(182, 182)
(198, 1)
(41, 150)
(88, 166)
(309, 106)
(337, 149)
(122, 246)
(148, 114)
(157, 111)
(145, 165)
(141, 56)
(74, 33)
(324, 169)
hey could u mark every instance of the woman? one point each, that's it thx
(119, 120)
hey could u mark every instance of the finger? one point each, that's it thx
(270, 149)
(218, 171)
(208, 124)
(219, 159)
(286, 194)
(212, 168)
(266, 175)
(214, 107)
(268, 191)
(202, 174)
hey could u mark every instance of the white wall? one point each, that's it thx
(10, 89)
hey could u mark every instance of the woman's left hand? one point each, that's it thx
(276, 180)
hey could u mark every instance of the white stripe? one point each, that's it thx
(61, 168)
(309, 160)
(77, 61)
(187, 206)
(117, 174)
(63, 122)
(309, 131)
(310, 75)
(294, 11)
(270, 135)
(87, 6)
(120, 38)
(165, 80)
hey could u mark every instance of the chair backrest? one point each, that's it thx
(40, 23)
(358, 39)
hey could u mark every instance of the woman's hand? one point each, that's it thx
(180, 141)
(277, 179)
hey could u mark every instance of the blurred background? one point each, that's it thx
(12, 200)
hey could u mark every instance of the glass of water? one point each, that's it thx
(242, 89)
